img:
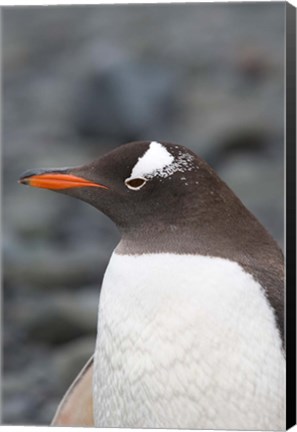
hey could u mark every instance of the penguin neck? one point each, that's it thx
(219, 232)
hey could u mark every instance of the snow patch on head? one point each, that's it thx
(157, 161)
(155, 158)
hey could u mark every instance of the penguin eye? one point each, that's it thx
(135, 183)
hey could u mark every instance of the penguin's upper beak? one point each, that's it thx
(56, 179)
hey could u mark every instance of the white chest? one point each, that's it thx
(186, 342)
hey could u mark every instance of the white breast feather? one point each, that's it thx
(186, 342)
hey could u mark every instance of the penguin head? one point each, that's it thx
(132, 184)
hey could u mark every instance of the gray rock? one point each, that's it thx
(69, 360)
(59, 317)
(126, 102)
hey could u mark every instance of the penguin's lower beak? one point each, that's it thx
(56, 180)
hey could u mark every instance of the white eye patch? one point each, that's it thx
(156, 158)
(158, 161)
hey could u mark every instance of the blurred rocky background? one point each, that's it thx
(78, 81)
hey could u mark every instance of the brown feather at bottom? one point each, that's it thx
(76, 407)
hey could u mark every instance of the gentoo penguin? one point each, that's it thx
(190, 324)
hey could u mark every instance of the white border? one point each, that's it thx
(11, 3)
(95, 2)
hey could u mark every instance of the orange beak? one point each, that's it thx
(56, 180)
